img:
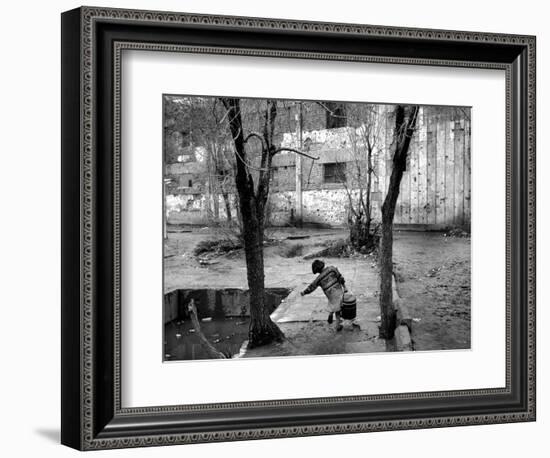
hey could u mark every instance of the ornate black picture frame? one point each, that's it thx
(92, 42)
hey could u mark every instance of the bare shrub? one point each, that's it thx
(292, 251)
(215, 246)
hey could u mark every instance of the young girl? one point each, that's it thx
(333, 284)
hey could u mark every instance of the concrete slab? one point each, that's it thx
(301, 308)
(403, 340)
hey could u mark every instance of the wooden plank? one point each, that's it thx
(440, 170)
(398, 215)
(390, 127)
(449, 172)
(459, 169)
(405, 196)
(431, 168)
(422, 173)
(467, 172)
(413, 152)
(381, 170)
(388, 151)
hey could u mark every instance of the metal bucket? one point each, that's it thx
(349, 306)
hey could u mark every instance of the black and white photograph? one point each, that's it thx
(314, 227)
(249, 229)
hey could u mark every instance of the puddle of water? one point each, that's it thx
(224, 315)
(182, 343)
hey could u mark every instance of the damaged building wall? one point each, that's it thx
(435, 190)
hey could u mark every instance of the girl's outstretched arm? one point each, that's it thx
(312, 286)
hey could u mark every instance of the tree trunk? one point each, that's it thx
(404, 130)
(227, 206)
(387, 310)
(262, 330)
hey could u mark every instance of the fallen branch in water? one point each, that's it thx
(210, 349)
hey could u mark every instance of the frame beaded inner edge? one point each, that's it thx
(89, 15)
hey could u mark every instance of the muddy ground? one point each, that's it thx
(433, 272)
(433, 278)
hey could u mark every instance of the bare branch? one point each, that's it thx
(208, 347)
(255, 135)
(332, 112)
(292, 150)
(249, 165)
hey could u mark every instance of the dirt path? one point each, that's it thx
(433, 273)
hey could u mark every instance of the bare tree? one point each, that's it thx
(405, 122)
(210, 132)
(364, 135)
(252, 206)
